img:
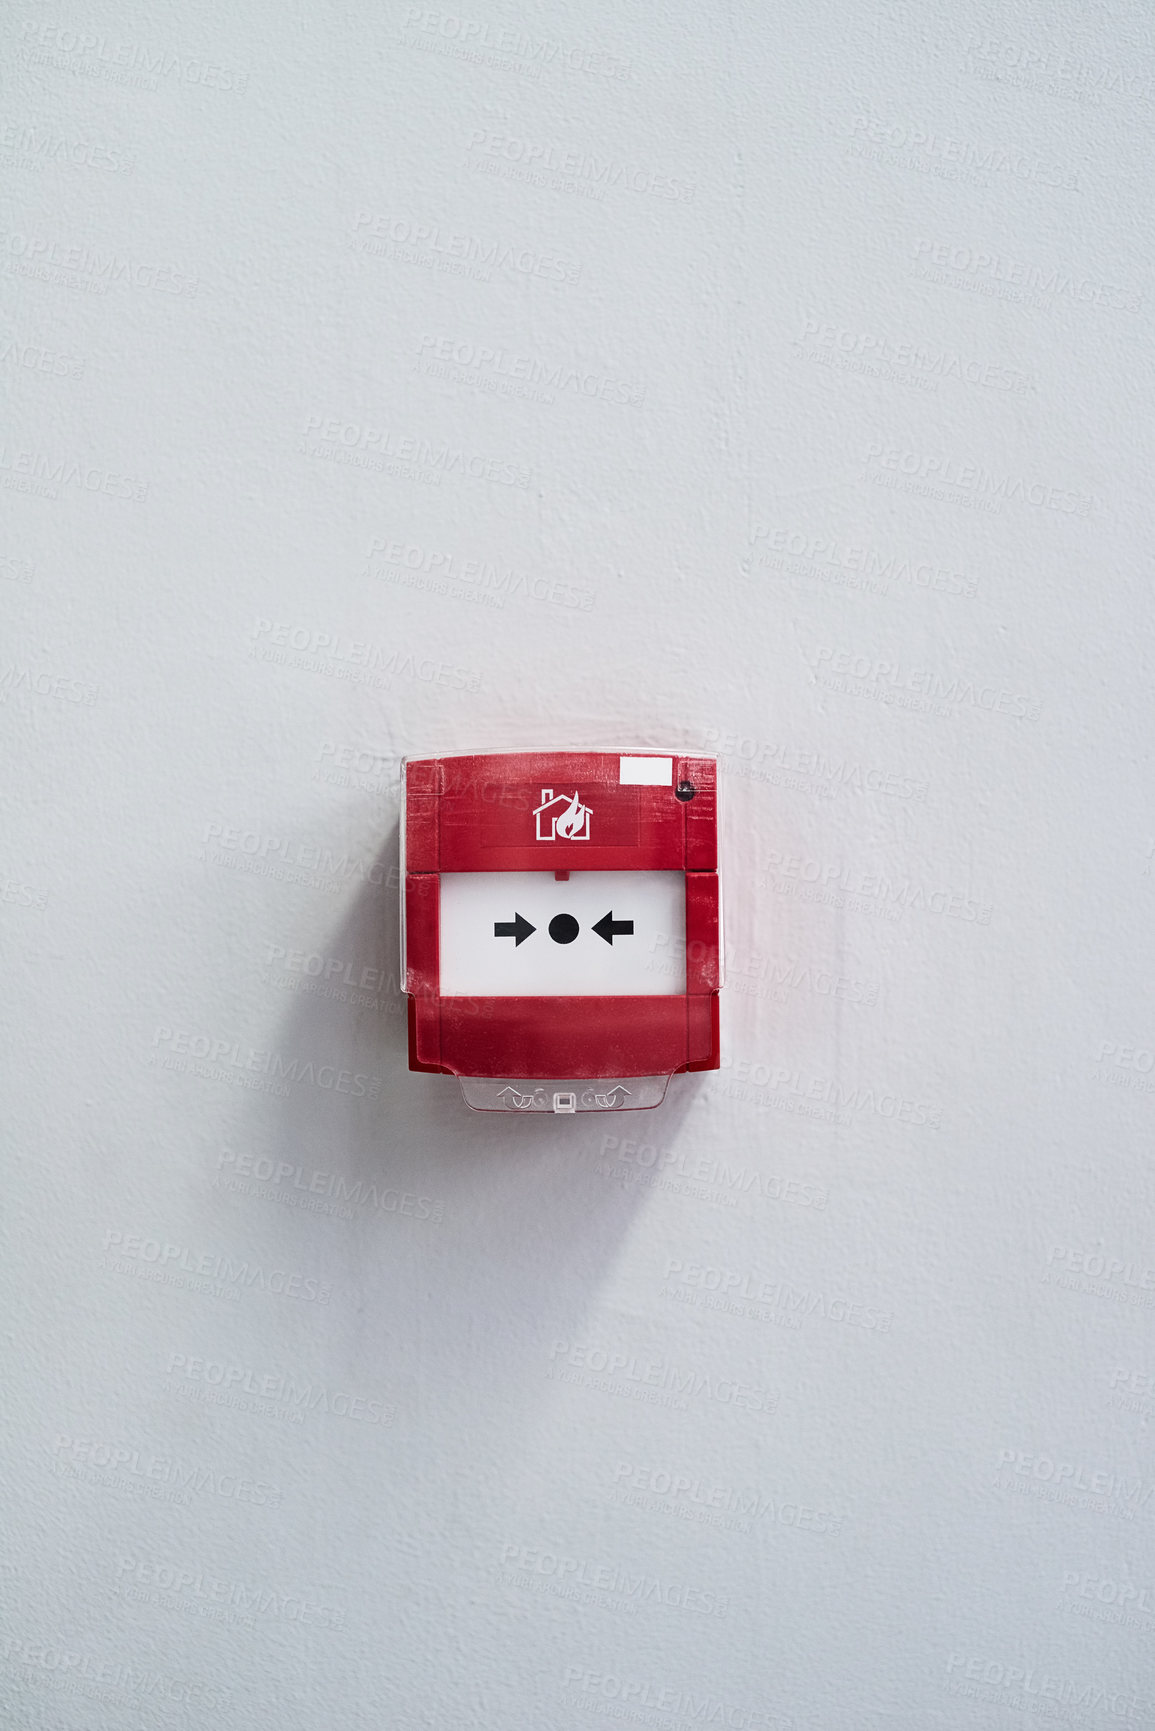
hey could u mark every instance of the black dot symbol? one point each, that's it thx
(563, 928)
(685, 790)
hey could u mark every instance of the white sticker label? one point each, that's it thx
(645, 771)
(593, 934)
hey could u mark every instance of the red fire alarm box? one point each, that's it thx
(560, 925)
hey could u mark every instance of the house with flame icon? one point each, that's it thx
(561, 817)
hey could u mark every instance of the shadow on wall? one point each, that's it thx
(450, 1237)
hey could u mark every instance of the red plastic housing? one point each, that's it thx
(486, 814)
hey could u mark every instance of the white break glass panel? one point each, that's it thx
(484, 914)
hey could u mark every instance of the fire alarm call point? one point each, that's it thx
(560, 925)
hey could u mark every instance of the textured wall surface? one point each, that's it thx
(384, 380)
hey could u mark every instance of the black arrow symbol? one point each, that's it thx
(609, 928)
(518, 928)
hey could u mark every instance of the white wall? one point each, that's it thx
(819, 435)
